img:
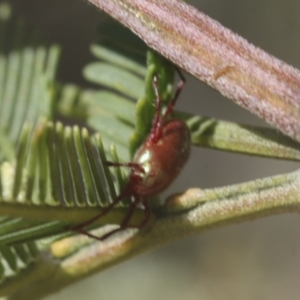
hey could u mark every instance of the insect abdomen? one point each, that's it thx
(162, 161)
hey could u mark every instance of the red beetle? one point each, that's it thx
(156, 163)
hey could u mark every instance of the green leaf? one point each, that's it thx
(118, 58)
(118, 73)
(116, 78)
(15, 259)
(125, 48)
(56, 181)
(27, 68)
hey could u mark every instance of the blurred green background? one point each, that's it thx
(253, 260)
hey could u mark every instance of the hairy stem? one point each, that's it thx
(184, 214)
(242, 72)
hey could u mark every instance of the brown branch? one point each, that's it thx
(249, 76)
(184, 214)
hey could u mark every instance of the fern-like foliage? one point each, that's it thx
(128, 75)
(45, 166)
(58, 167)
(27, 68)
(53, 176)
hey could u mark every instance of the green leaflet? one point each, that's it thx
(27, 68)
(60, 178)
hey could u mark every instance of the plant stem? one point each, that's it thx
(184, 214)
(204, 48)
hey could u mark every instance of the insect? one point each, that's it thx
(156, 163)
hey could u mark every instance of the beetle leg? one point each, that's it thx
(179, 88)
(126, 220)
(147, 216)
(157, 124)
(79, 228)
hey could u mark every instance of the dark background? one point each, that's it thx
(253, 260)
